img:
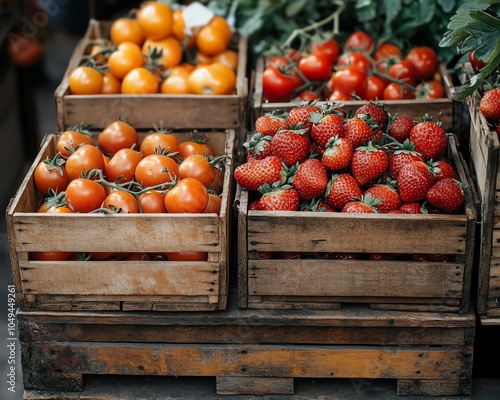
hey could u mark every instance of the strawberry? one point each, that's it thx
(443, 169)
(366, 205)
(291, 145)
(400, 127)
(414, 180)
(447, 195)
(377, 111)
(412, 208)
(345, 256)
(265, 255)
(301, 114)
(388, 196)
(270, 123)
(316, 149)
(290, 255)
(402, 156)
(254, 205)
(310, 179)
(429, 139)
(251, 175)
(316, 205)
(325, 127)
(259, 146)
(359, 130)
(368, 163)
(341, 189)
(278, 198)
(337, 154)
(490, 104)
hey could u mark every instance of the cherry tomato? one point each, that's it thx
(51, 174)
(386, 55)
(189, 147)
(357, 59)
(152, 201)
(156, 19)
(214, 204)
(359, 40)
(375, 86)
(178, 29)
(124, 59)
(329, 47)
(156, 169)
(189, 195)
(424, 60)
(176, 82)
(51, 255)
(117, 135)
(126, 30)
(276, 85)
(171, 51)
(197, 166)
(54, 209)
(121, 167)
(227, 57)
(110, 84)
(394, 91)
(430, 90)
(211, 79)
(403, 71)
(84, 195)
(349, 80)
(140, 81)
(316, 66)
(158, 142)
(476, 64)
(85, 80)
(277, 61)
(22, 49)
(71, 139)
(214, 37)
(187, 256)
(121, 200)
(307, 95)
(339, 95)
(84, 159)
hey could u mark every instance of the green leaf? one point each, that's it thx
(446, 5)
(392, 9)
(295, 7)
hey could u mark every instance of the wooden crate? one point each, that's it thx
(322, 282)
(440, 109)
(120, 285)
(143, 111)
(248, 352)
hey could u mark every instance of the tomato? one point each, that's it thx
(121, 200)
(403, 71)
(51, 174)
(476, 64)
(213, 79)
(276, 85)
(126, 30)
(394, 91)
(71, 139)
(124, 59)
(156, 19)
(178, 29)
(307, 95)
(357, 59)
(316, 67)
(110, 84)
(152, 201)
(227, 57)
(214, 204)
(339, 95)
(99, 50)
(329, 47)
(386, 55)
(359, 40)
(156, 169)
(349, 80)
(117, 135)
(22, 49)
(277, 61)
(189, 195)
(121, 167)
(189, 147)
(214, 37)
(137, 257)
(187, 256)
(84, 195)
(199, 167)
(424, 60)
(140, 81)
(159, 142)
(218, 182)
(176, 82)
(51, 255)
(85, 80)
(87, 157)
(375, 86)
(430, 90)
(48, 207)
(170, 48)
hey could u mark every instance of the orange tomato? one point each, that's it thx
(215, 79)
(202, 59)
(214, 37)
(121, 200)
(124, 59)
(227, 57)
(156, 19)
(98, 49)
(71, 139)
(85, 80)
(189, 147)
(171, 51)
(176, 82)
(140, 81)
(126, 30)
(214, 204)
(159, 141)
(178, 29)
(152, 201)
(110, 84)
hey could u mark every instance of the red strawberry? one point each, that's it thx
(291, 145)
(316, 149)
(337, 154)
(299, 115)
(377, 111)
(345, 256)
(316, 205)
(384, 256)
(251, 175)
(401, 127)
(429, 139)
(365, 205)
(447, 195)
(359, 130)
(490, 104)
(442, 170)
(310, 179)
(401, 157)
(254, 205)
(388, 196)
(368, 163)
(341, 189)
(278, 198)
(265, 255)
(412, 208)
(270, 123)
(325, 127)
(414, 180)
(259, 146)
(290, 255)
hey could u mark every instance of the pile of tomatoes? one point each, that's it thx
(151, 53)
(357, 70)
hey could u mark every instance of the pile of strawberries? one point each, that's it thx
(321, 158)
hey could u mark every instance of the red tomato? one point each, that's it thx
(156, 169)
(159, 142)
(330, 47)
(349, 80)
(386, 55)
(339, 95)
(189, 147)
(138, 257)
(424, 60)
(403, 71)
(71, 139)
(187, 256)
(117, 135)
(357, 59)
(359, 40)
(214, 204)
(394, 91)
(84, 195)
(277, 61)
(121, 200)
(316, 66)
(87, 157)
(121, 167)
(51, 174)
(430, 90)
(277, 86)
(198, 167)
(375, 86)
(22, 49)
(189, 195)
(152, 201)
(51, 255)
(307, 95)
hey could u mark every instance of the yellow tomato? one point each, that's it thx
(156, 19)
(124, 59)
(110, 84)
(171, 51)
(126, 30)
(85, 80)
(140, 81)
(176, 82)
(227, 57)
(215, 79)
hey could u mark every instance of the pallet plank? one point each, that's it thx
(237, 385)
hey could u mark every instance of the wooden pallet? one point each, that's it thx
(250, 351)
